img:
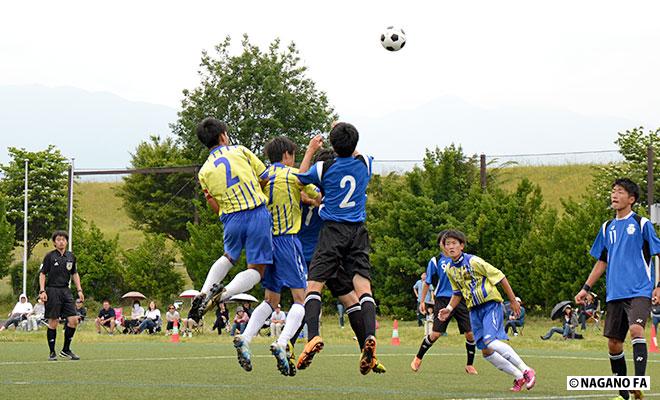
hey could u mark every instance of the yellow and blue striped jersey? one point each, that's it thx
(231, 176)
(475, 280)
(283, 193)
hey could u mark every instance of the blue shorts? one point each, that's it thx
(251, 230)
(288, 269)
(487, 323)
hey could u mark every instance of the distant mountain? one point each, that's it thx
(99, 129)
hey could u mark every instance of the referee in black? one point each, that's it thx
(57, 270)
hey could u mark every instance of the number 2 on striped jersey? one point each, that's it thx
(231, 180)
(342, 184)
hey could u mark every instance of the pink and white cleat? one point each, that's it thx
(530, 378)
(518, 384)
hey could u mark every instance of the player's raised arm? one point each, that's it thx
(314, 145)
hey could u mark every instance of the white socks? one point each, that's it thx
(217, 273)
(259, 316)
(503, 364)
(293, 321)
(509, 353)
(242, 282)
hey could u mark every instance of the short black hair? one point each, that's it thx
(59, 233)
(209, 131)
(106, 301)
(324, 155)
(441, 235)
(454, 234)
(277, 146)
(629, 186)
(344, 139)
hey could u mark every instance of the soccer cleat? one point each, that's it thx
(518, 384)
(243, 353)
(213, 298)
(69, 354)
(368, 357)
(292, 359)
(379, 368)
(52, 356)
(415, 364)
(198, 303)
(279, 351)
(530, 378)
(315, 345)
(471, 370)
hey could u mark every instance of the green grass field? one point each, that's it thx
(205, 366)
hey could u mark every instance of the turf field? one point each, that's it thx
(122, 367)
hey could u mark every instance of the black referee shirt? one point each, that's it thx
(58, 268)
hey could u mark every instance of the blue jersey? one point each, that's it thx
(343, 182)
(309, 230)
(626, 245)
(436, 271)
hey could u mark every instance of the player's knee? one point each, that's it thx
(434, 336)
(615, 346)
(636, 331)
(469, 336)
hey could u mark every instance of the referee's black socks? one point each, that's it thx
(368, 306)
(618, 364)
(312, 313)
(51, 334)
(68, 335)
(641, 354)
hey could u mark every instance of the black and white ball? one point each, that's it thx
(393, 39)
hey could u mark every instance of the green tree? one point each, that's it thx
(6, 240)
(32, 281)
(259, 94)
(150, 269)
(47, 197)
(98, 263)
(159, 203)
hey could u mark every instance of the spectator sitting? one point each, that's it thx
(36, 316)
(137, 314)
(171, 315)
(19, 313)
(568, 330)
(221, 318)
(106, 318)
(151, 319)
(81, 311)
(247, 307)
(588, 310)
(513, 322)
(277, 320)
(240, 321)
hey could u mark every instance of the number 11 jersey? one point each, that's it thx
(231, 176)
(343, 182)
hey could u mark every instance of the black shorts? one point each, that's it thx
(460, 314)
(341, 244)
(341, 284)
(60, 303)
(623, 313)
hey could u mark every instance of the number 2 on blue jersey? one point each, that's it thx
(347, 202)
(231, 180)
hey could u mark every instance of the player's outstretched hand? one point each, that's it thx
(656, 296)
(315, 143)
(581, 297)
(443, 315)
(515, 309)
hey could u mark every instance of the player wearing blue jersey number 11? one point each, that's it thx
(232, 187)
(624, 248)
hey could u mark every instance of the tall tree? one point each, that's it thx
(159, 203)
(259, 94)
(47, 205)
(6, 240)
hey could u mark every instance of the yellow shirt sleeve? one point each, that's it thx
(257, 166)
(311, 191)
(491, 273)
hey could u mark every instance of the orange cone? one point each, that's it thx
(175, 332)
(395, 334)
(653, 348)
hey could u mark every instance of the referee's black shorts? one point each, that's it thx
(460, 314)
(341, 243)
(59, 303)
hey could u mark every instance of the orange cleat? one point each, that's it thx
(315, 345)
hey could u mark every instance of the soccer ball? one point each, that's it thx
(393, 39)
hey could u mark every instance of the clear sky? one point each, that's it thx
(594, 58)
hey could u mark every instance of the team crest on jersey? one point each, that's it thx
(631, 229)
(69, 266)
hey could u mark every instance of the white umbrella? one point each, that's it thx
(242, 297)
(190, 293)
